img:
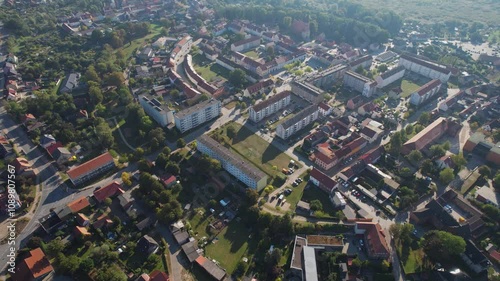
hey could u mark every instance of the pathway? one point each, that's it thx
(117, 126)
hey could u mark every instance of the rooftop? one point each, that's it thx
(275, 98)
(392, 71)
(245, 41)
(428, 87)
(197, 107)
(311, 89)
(79, 204)
(358, 76)
(90, 165)
(425, 63)
(299, 116)
(108, 191)
(324, 240)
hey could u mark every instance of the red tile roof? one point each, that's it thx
(101, 221)
(78, 204)
(33, 267)
(158, 276)
(51, 148)
(90, 165)
(324, 106)
(108, 191)
(169, 179)
(260, 85)
(375, 237)
(428, 87)
(323, 179)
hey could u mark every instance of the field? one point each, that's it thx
(208, 70)
(415, 262)
(462, 10)
(408, 87)
(232, 245)
(252, 54)
(258, 151)
(297, 193)
(314, 193)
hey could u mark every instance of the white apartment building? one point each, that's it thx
(232, 163)
(197, 114)
(425, 92)
(330, 76)
(156, 110)
(360, 83)
(390, 76)
(181, 49)
(270, 106)
(297, 122)
(307, 91)
(425, 68)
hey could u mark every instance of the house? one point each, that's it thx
(322, 181)
(102, 221)
(215, 271)
(35, 266)
(126, 200)
(78, 205)
(146, 223)
(304, 207)
(110, 190)
(477, 144)
(5, 148)
(81, 232)
(445, 161)
(493, 253)
(324, 109)
(474, 258)
(82, 219)
(23, 167)
(147, 245)
(156, 275)
(245, 44)
(61, 155)
(487, 195)
(355, 102)
(374, 237)
(371, 133)
(450, 101)
(425, 92)
(92, 168)
(367, 109)
(190, 249)
(395, 93)
(261, 87)
(47, 140)
(71, 84)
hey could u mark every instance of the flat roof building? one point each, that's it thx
(197, 114)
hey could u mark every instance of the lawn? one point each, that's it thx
(314, 193)
(414, 263)
(230, 105)
(252, 54)
(199, 224)
(207, 69)
(233, 244)
(257, 150)
(408, 87)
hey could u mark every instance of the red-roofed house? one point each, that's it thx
(157, 275)
(35, 267)
(169, 180)
(27, 118)
(110, 190)
(82, 219)
(324, 109)
(78, 205)
(445, 161)
(374, 237)
(101, 221)
(21, 165)
(322, 181)
(211, 268)
(91, 168)
(81, 231)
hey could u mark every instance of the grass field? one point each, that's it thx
(408, 87)
(441, 11)
(231, 105)
(314, 193)
(258, 151)
(414, 263)
(232, 245)
(207, 69)
(252, 54)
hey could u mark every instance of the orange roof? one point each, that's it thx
(375, 237)
(101, 221)
(78, 204)
(38, 264)
(82, 230)
(90, 165)
(158, 276)
(109, 190)
(201, 260)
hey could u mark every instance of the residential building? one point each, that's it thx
(147, 245)
(35, 267)
(424, 67)
(92, 168)
(270, 106)
(428, 135)
(197, 114)
(488, 195)
(307, 91)
(386, 56)
(325, 79)
(478, 144)
(425, 92)
(474, 258)
(154, 108)
(390, 76)
(215, 271)
(371, 133)
(323, 181)
(196, 79)
(374, 238)
(291, 126)
(355, 102)
(363, 62)
(110, 190)
(261, 87)
(338, 200)
(324, 109)
(61, 155)
(360, 83)
(236, 166)
(181, 49)
(71, 83)
(450, 101)
(245, 44)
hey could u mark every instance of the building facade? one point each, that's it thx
(156, 110)
(425, 92)
(233, 164)
(245, 44)
(270, 106)
(390, 76)
(197, 114)
(424, 67)
(307, 91)
(360, 83)
(92, 168)
(297, 122)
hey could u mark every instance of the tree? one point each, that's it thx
(268, 189)
(415, 156)
(157, 134)
(173, 168)
(231, 131)
(114, 79)
(55, 246)
(34, 242)
(68, 264)
(146, 124)
(237, 78)
(111, 273)
(91, 75)
(407, 195)
(126, 178)
(382, 68)
(442, 245)
(496, 181)
(287, 22)
(446, 175)
(437, 150)
(405, 172)
(104, 133)
(424, 118)
(206, 164)
(458, 160)
(485, 171)
(108, 201)
(181, 143)
(86, 265)
(251, 197)
(427, 166)
(409, 129)
(95, 94)
(316, 205)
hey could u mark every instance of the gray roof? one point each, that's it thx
(190, 249)
(311, 89)
(233, 159)
(358, 76)
(311, 271)
(391, 72)
(299, 116)
(279, 96)
(72, 81)
(196, 107)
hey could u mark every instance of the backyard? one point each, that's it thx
(408, 87)
(252, 54)
(208, 70)
(314, 193)
(256, 150)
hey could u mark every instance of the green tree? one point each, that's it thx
(496, 181)
(68, 264)
(91, 75)
(237, 78)
(111, 273)
(126, 178)
(231, 131)
(415, 156)
(424, 118)
(446, 175)
(55, 246)
(458, 160)
(409, 129)
(442, 245)
(437, 150)
(108, 201)
(382, 68)
(86, 265)
(316, 205)
(251, 197)
(104, 133)
(95, 94)
(405, 172)
(181, 143)
(268, 189)
(173, 168)
(485, 171)
(146, 124)
(114, 79)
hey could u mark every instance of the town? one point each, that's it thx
(209, 140)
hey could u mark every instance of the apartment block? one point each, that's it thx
(270, 106)
(360, 83)
(425, 92)
(90, 169)
(197, 114)
(424, 67)
(328, 77)
(291, 126)
(155, 109)
(245, 44)
(232, 163)
(390, 76)
(307, 91)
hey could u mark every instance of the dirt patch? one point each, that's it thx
(186, 276)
